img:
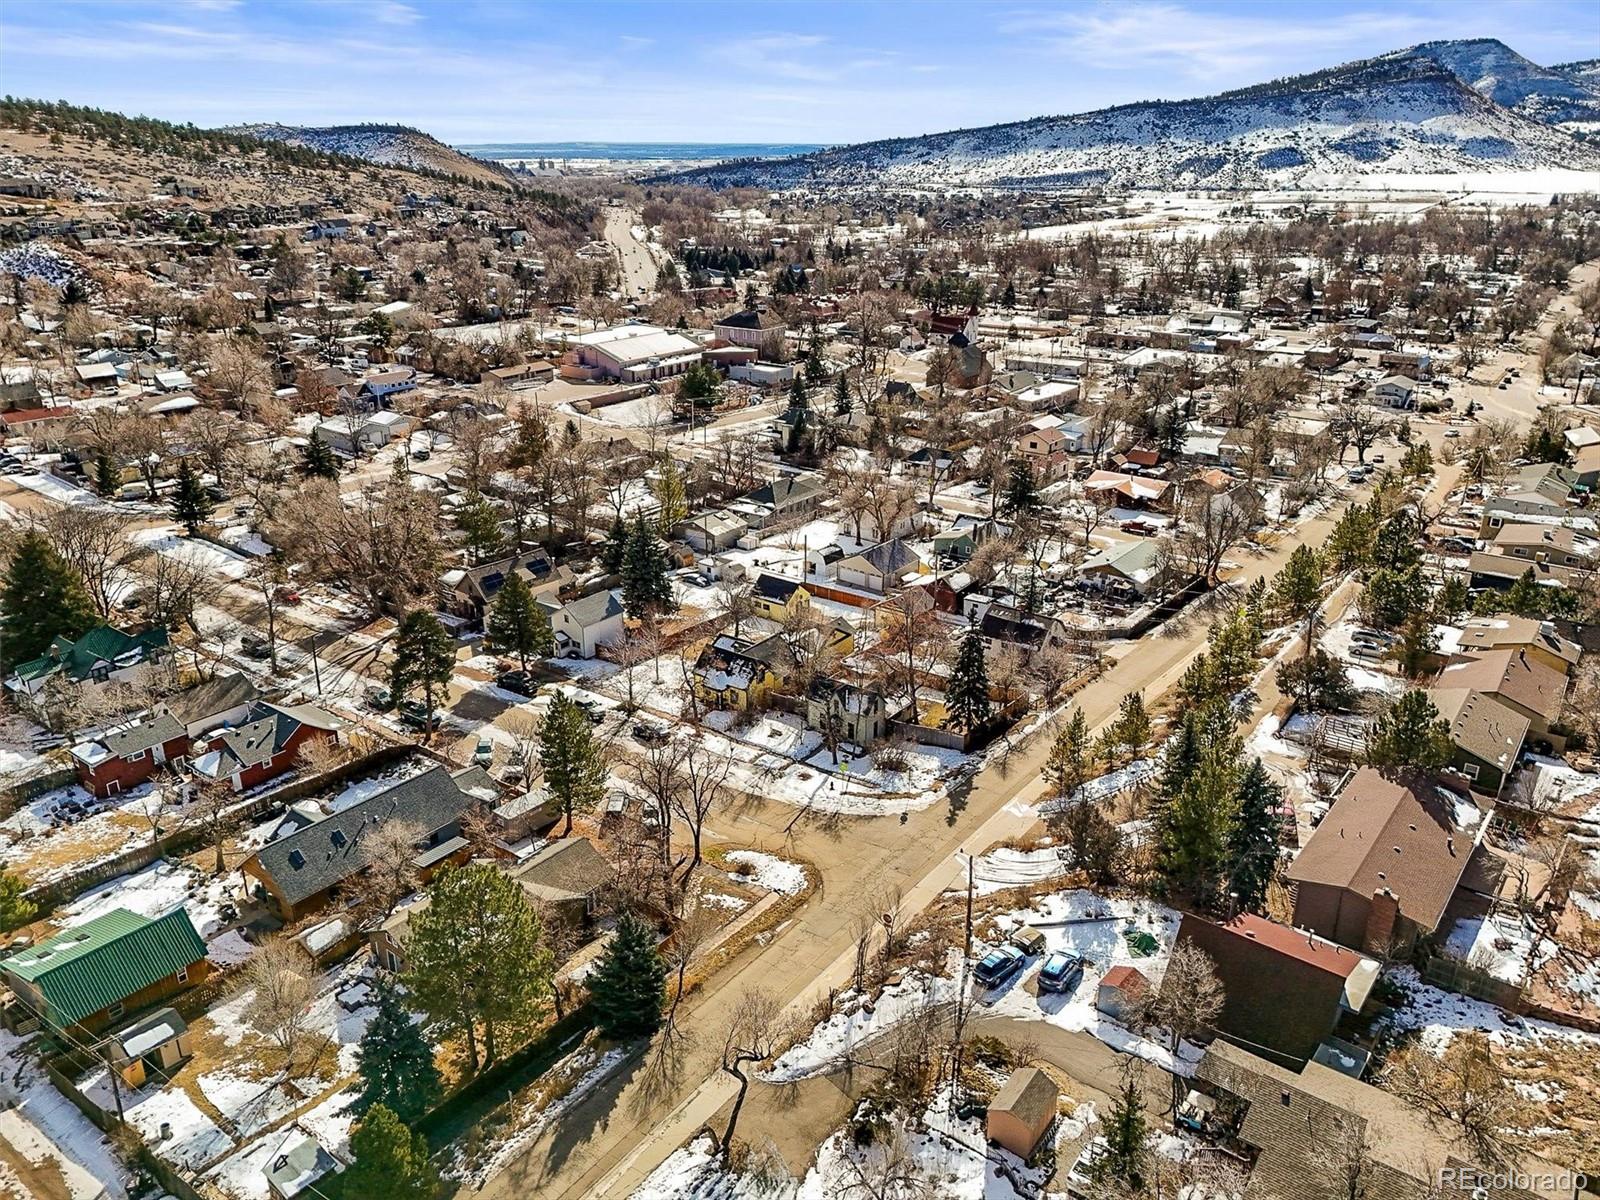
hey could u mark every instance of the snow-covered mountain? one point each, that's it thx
(1546, 94)
(1585, 70)
(386, 145)
(1405, 113)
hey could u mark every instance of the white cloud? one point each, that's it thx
(1204, 45)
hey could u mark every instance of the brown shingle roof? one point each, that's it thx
(1030, 1096)
(1386, 832)
(1481, 725)
(1512, 675)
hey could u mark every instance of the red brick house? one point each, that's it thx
(264, 746)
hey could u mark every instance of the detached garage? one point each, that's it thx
(1023, 1111)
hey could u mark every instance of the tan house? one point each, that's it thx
(1517, 679)
(1538, 638)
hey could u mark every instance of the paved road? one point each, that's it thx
(638, 265)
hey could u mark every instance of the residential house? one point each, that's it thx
(1517, 679)
(1501, 571)
(1488, 735)
(741, 673)
(1131, 491)
(1129, 568)
(1538, 638)
(1380, 869)
(1005, 628)
(848, 712)
(584, 625)
(1396, 391)
(1289, 1123)
(567, 876)
(777, 597)
(881, 568)
(1047, 451)
(300, 871)
(1315, 982)
(264, 745)
(124, 756)
(103, 653)
(961, 541)
(378, 388)
(712, 531)
(786, 498)
(1544, 543)
(89, 976)
(220, 700)
(1540, 492)
(467, 592)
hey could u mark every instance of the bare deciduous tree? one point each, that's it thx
(756, 1032)
(282, 976)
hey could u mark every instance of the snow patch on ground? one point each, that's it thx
(768, 872)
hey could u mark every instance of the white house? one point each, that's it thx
(582, 626)
(1396, 391)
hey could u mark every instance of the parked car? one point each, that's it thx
(1061, 972)
(379, 699)
(287, 595)
(591, 709)
(999, 965)
(255, 646)
(483, 756)
(415, 712)
(649, 733)
(519, 682)
(1452, 433)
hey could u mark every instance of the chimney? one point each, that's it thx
(1382, 916)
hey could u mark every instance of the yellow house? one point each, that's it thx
(742, 673)
(779, 598)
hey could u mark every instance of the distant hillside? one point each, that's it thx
(1410, 112)
(1585, 70)
(386, 145)
(1545, 94)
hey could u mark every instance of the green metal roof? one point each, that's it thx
(94, 965)
(103, 643)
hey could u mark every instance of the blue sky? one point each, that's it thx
(714, 71)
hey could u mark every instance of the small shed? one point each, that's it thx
(158, 1042)
(1120, 989)
(1029, 940)
(297, 1165)
(1022, 1112)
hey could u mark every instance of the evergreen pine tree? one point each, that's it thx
(1067, 765)
(517, 625)
(15, 907)
(1193, 826)
(42, 598)
(479, 523)
(628, 987)
(190, 504)
(574, 764)
(967, 694)
(424, 654)
(390, 1160)
(1253, 841)
(843, 405)
(318, 460)
(1298, 586)
(1131, 730)
(615, 547)
(646, 586)
(1179, 758)
(395, 1061)
(1410, 734)
(1124, 1159)
(106, 478)
(1021, 497)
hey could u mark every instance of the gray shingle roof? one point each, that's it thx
(211, 697)
(331, 850)
(154, 730)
